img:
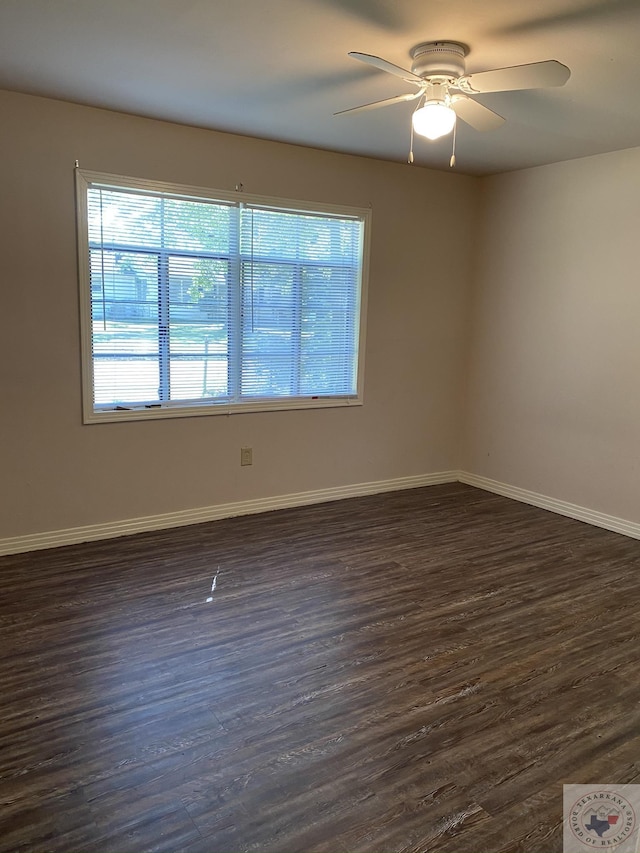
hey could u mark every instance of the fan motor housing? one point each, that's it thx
(439, 59)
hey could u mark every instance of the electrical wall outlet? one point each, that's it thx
(246, 456)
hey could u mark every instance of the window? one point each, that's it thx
(200, 302)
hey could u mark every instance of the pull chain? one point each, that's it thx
(418, 105)
(452, 162)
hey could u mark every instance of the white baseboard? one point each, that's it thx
(580, 513)
(126, 527)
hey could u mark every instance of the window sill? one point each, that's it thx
(144, 413)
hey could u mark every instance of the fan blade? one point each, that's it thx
(389, 67)
(475, 114)
(536, 75)
(375, 104)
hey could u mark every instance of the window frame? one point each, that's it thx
(177, 409)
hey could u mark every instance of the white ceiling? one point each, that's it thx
(278, 69)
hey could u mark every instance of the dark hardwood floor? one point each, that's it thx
(416, 671)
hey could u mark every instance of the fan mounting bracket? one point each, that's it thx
(439, 59)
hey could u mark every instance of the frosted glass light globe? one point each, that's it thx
(434, 120)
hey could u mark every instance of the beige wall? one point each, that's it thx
(554, 361)
(58, 473)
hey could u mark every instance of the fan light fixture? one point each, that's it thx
(434, 120)
(438, 73)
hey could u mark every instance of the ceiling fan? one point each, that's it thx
(444, 91)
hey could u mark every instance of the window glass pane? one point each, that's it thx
(198, 328)
(328, 288)
(197, 226)
(124, 309)
(268, 233)
(269, 323)
(125, 380)
(327, 239)
(328, 332)
(322, 373)
(123, 218)
(291, 235)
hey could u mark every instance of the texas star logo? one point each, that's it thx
(602, 819)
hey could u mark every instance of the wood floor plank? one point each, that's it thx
(417, 671)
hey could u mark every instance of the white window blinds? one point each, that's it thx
(228, 302)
